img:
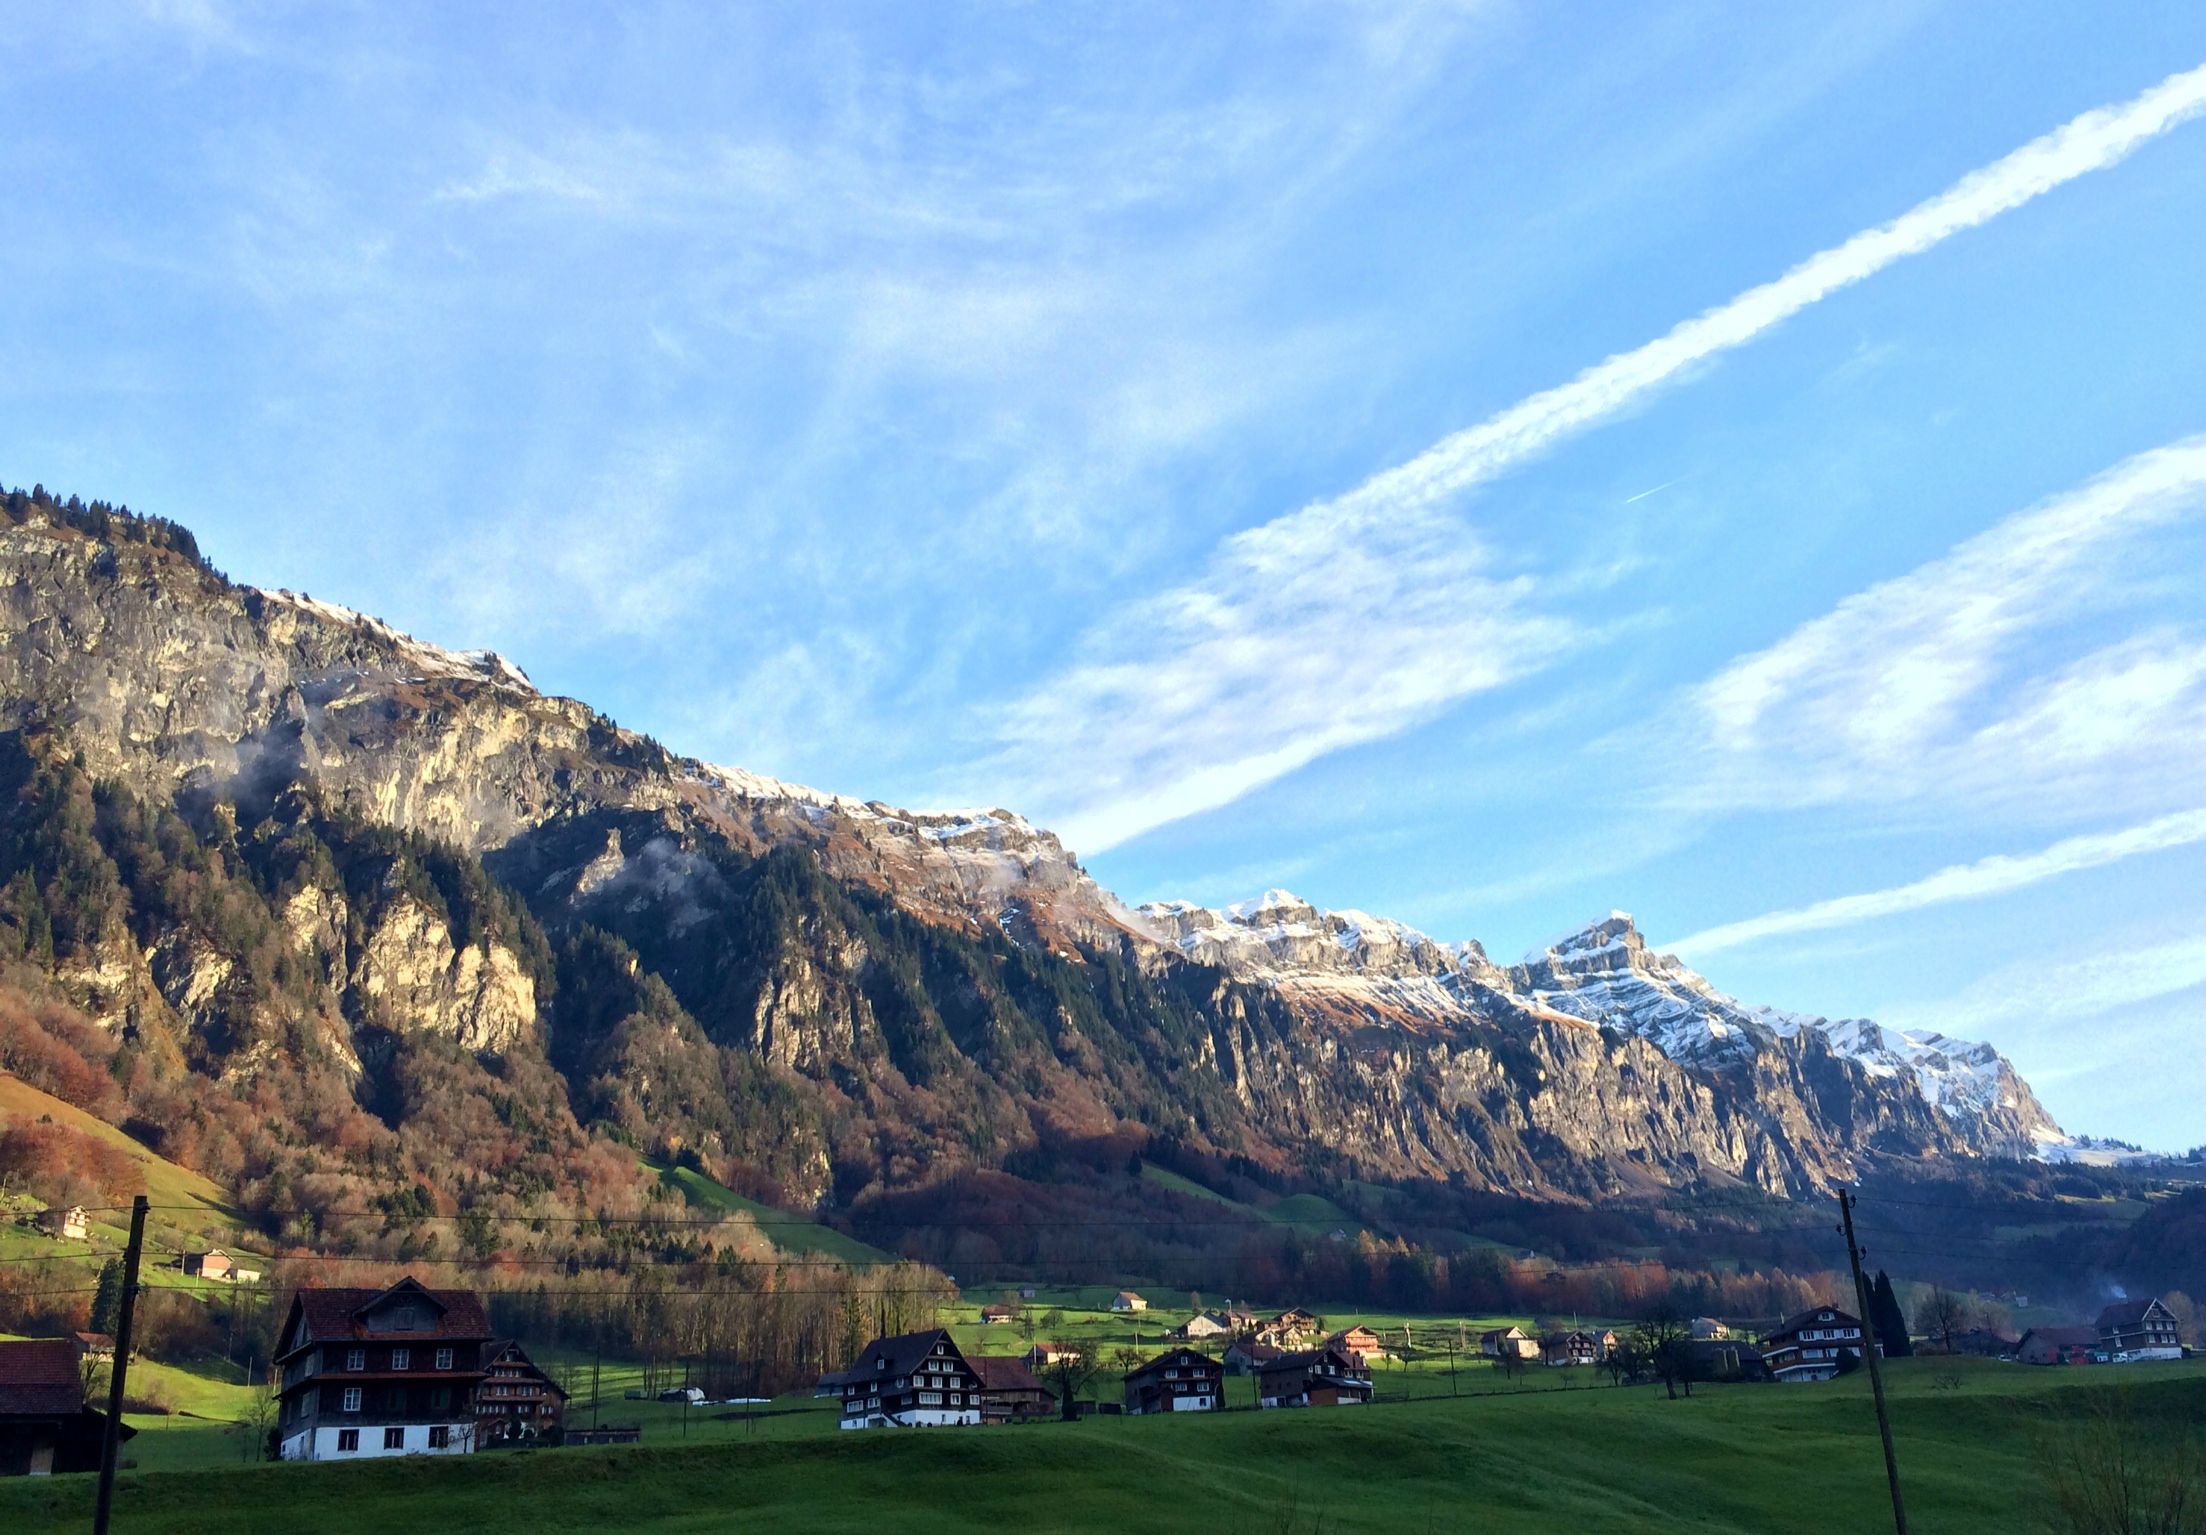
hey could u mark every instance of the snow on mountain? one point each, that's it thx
(430, 660)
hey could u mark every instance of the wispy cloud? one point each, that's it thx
(1358, 617)
(1924, 684)
(1959, 882)
(2032, 991)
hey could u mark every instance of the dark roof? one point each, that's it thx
(1261, 1352)
(1304, 1359)
(505, 1346)
(335, 1313)
(38, 1378)
(1004, 1372)
(1814, 1318)
(1178, 1356)
(903, 1353)
(2063, 1337)
(2126, 1313)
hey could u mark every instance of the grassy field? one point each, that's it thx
(790, 1233)
(1742, 1458)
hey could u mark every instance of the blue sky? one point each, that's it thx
(1483, 463)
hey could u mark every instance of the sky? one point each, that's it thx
(1483, 463)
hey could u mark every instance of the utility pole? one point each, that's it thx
(111, 1432)
(1874, 1357)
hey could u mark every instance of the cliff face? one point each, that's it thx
(842, 991)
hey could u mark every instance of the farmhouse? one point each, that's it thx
(1318, 1377)
(913, 1380)
(1568, 1348)
(1042, 1355)
(997, 1316)
(45, 1426)
(1508, 1343)
(1809, 1346)
(518, 1403)
(1360, 1342)
(1127, 1300)
(212, 1264)
(1709, 1327)
(70, 1222)
(1248, 1357)
(1203, 1324)
(2143, 1329)
(379, 1372)
(1177, 1380)
(1009, 1391)
(2057, 1345)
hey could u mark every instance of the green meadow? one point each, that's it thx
(1973, 1441)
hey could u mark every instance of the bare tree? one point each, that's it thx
(2103, 1477)
(1941, 1314)
(1068, 1375)
(1665, 1342)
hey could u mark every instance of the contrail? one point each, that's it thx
(1651, 491)
(1188, 699)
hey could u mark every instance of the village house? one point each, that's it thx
(517, 1403)
(2057, 1345)
(368, 1372)
(997, 1316)
(1203, 1324)
(1508, 1343)
(1984, 1342)
(1177, 1380)
(1809, 1346)
(1290, 1329)
(913, 1380)
(71, 1223)
(1009, 1391)
(1360, 1342)
(212, 1264)
(1042, 1355)
(45, 1425)
(2142, 1329)
(1709, 1327)
(1127, 1300)
(1246, 1356)
(1569, 1348)
(1318, 1377)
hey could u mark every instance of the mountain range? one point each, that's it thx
(821, 996)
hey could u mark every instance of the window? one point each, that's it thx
(440, 1397)
(406, 1319)
(352, 1398)
(402, 1359)
(356, 1359)
(348, 1440)
(444, 1359)
(394, 1439)
(440, 1437)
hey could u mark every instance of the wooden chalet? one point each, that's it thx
(1569, 1348)
(517, 1402)
(45, 1425)
(2057, 1345)
(1318, 1377)
(1009, 1391)
(1811, 1345)
(1359, 1341)
(2142, 1329)
(913, 1380)
(365, 1372)
(1177, 1380)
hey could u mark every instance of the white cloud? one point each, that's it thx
(1355, 618)
(1922, 685)
(2031, 991)
(1959, 882)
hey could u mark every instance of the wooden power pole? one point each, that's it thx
(1873, 1355)
(111, 1433)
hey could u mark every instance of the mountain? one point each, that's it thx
(255, 834)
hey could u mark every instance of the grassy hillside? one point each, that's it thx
(1738, 1459)
(790, 1233)
(207, 1209)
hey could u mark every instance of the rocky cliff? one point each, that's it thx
(841, 992)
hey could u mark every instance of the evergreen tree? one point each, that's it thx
(1889, 1321)
(107, 1300)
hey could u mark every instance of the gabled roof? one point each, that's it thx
(456, 1316)
(38, 1378)
(2128, 1313)
(1819, 1316)
(1004, 1372)
(1308, 1358)
(1182, 1357)
(1498, 1333)
(2062, 1337)
(900, 1355)
(510, 1348)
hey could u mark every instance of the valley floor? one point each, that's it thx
(1975, 1439)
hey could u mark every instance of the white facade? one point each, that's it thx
(368, 1441)
(917, 1417)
